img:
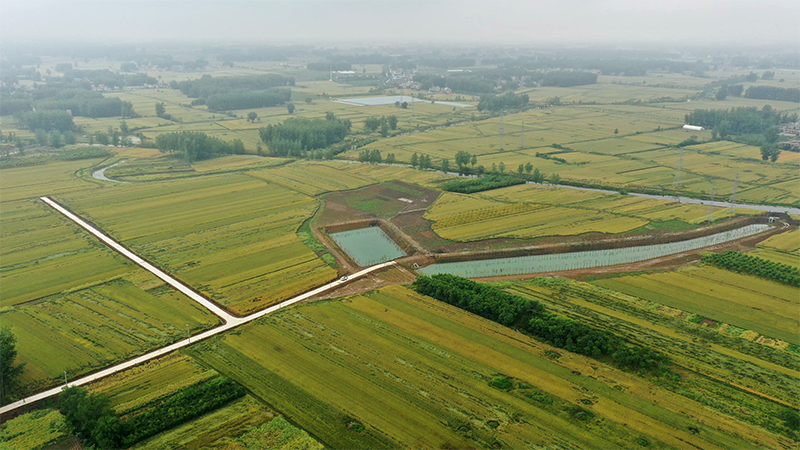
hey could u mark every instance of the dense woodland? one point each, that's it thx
(195, 145)
(509, 100)
(298, 135)
(773, 93)
(251, 91)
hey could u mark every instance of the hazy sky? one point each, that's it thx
(365, 22)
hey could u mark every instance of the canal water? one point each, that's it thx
(582, 260)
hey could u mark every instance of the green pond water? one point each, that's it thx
(581, 260)
(368, 246)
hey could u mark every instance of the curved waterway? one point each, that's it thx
(582, 260)
(100, 174)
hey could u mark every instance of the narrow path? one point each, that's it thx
(230, 321)
(100, 174)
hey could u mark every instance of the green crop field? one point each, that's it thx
(395, 369)
(73, 304)
(232, 237)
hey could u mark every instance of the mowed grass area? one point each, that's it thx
(532, 211)
(393, 369)
(74, 305)
(231, 237)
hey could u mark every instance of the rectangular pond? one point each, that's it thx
(368, 246)
(582, 260)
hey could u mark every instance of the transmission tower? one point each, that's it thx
(522, 135)
(678, 172)
(710, 212)
(501, 132)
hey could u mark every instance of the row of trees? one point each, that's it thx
(374, 156)
(109, 78)
(509, 100)
(206, 86)
(384, 123)
(753, 265)
(48, 120)
(566, 78)
(248, 99)
(92, 419)
(9, 371)
(195, 145)
(773, 93)
(484, 183)
(531, 317)
(746, 120)
(298, 135)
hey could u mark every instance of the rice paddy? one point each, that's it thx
(232, 237)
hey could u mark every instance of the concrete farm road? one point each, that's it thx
(230, 320)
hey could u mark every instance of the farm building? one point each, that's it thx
(693, 128)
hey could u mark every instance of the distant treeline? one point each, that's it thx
(509, 100)
(195, 145)
(298, 135)
(328, 66)
(773, 93)
(531, 317)
(738, 121)
(107, 77)
(613, 66)
(226, 93)
(207, 85)
(564, 78)
(68, 96)
(460, 83)
(479, 184)
(446, 63)
(48, 120)
(248, 99)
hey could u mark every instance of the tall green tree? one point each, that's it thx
(9, 373)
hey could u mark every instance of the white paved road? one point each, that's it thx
(230, 320)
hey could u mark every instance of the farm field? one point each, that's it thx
(38, 429)
(612, 145)
(48, 179)
(237, 246)
(532, 211)
(74, 305)
(763, 370)
(750, 303)
(435, 368)
(243, 423)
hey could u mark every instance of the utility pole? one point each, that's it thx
(711, 207)
(65, 379)
(188, 336)
(522, 136)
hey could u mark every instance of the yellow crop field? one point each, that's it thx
(232, 237)
(312, 178)
(432, 366)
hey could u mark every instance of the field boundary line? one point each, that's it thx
(230, 321)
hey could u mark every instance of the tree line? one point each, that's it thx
(195, 145)
(207, 85)
(753, 265)
(297, 136)
(509, 100)
(773, 93)
(531, 317)
(91, 418)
